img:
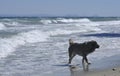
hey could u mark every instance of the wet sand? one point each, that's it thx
(105, 67)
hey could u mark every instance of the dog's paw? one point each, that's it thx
(89, 63)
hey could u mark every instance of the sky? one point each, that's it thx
(59, 7)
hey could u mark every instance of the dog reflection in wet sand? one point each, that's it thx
(82, 49)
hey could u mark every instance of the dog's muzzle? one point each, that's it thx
(97, 46)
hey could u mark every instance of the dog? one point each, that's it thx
(81, 49)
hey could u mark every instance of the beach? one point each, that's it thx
(107, 72)
(34, 46)
(101, 69)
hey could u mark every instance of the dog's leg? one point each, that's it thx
(85, 58)
(85, 63)
(71, 55)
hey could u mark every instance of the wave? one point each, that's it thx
(8, 45)
(67, 32)
(46, 21)
(63, 32)
(74, 20)
(117, 22)
(63, 20)
(13, 23)
(2, 26)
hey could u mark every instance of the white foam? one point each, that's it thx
(2, 26)
(12, 23)
(109, 22)
(79, 29)
(64, 32)
(74, 20)
(8, 45)
(46, 21)
(63, 20)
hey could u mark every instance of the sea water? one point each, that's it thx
(38, 46)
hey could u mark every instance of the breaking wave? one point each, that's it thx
(8, 45)
(2, 26)
(63, 20)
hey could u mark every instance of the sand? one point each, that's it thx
(107, 72)
(105, 67)
(78, 71)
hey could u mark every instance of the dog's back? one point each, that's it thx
(77, 48)
(83, 48)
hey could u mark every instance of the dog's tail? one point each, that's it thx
(71, 42)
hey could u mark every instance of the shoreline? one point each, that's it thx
(79, 72)
(106, 72)
(109, 66)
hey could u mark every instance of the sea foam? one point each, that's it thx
(8, 45)
(64, 20)
(2, 26)
(73, 20)
(117, 22)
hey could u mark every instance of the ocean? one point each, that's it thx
(33, 46)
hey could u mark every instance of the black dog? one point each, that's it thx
(81, 49)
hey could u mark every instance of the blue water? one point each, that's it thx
(39, 46)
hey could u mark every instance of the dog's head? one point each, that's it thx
(94, 44)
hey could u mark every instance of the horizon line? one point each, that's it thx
(55, 16)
